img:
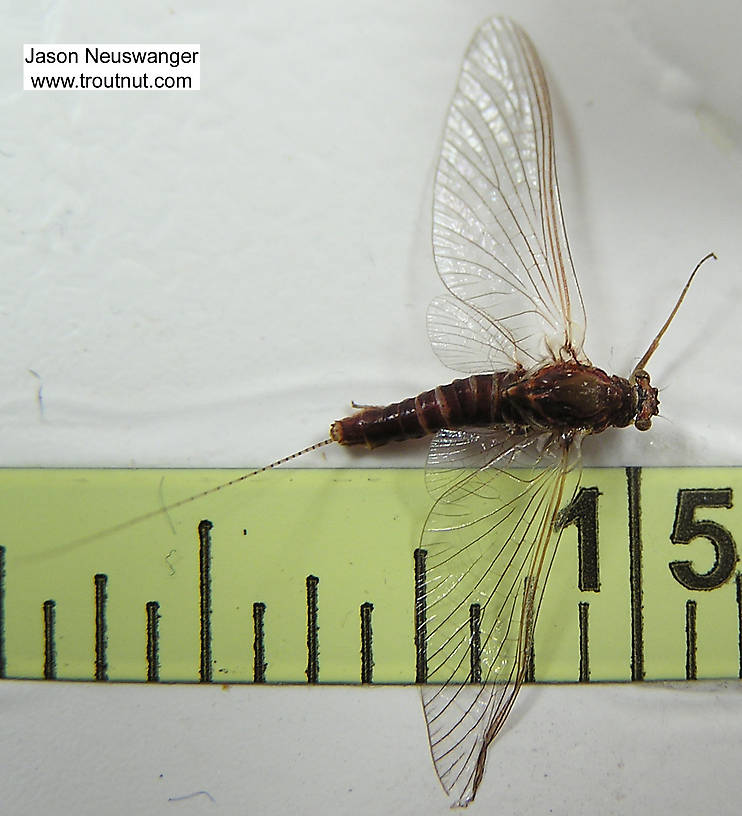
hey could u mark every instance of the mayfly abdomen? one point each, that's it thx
(558, 397)
(477, 401)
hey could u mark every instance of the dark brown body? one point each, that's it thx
(561, 396)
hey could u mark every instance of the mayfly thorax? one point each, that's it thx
(513, 322)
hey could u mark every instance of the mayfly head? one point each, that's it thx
(647, 404)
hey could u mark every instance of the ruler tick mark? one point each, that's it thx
(312, 630)
(153, 641)
(633, 484)
(367, 655)
(530, 667)
(583, 614)
(690, 640)
(2, 612)
(475, 643)
(50, 649)
(421, 612)
(101, 633)
(204, 539)
(259, 664)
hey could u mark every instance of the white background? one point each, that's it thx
(208, 279)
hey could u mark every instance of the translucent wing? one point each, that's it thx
(498, 234)
(488, 544)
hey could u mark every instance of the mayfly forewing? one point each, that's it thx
(455, 453)
(489, 542)
(498, 236)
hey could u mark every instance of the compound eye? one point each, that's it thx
(639, 375)
(643, 424)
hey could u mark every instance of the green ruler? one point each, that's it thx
(310, 576)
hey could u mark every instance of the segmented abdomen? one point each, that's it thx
(474, 401)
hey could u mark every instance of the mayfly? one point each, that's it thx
(505, 441)
(507, 435)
